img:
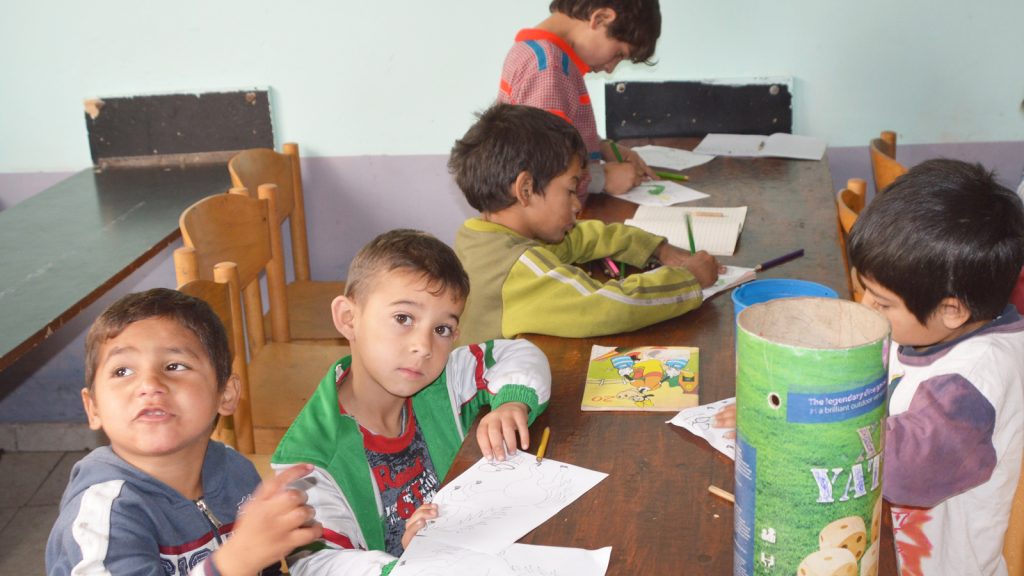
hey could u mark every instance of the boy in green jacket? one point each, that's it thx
(384, 425)
(519, 167)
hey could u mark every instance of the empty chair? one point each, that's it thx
(234, 230)
(307, 299)
(884, 166)
(849, 202)
(234, 430)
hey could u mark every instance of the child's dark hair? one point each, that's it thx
(637, 22)
(944, 229)
(191, 313)
(410, 250)
(506, 140)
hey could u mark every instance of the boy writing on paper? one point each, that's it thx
(163, 498)
(384, 425)
(519, 166)
(938, 254)
(545, 68)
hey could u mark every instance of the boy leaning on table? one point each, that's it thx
(163, 498)
(384, 426)
(938, 254)
(519, 166)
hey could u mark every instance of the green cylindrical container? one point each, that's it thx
(810, 401)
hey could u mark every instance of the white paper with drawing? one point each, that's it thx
(493, 504)
(699, 420)
(674, 158)
(716, 235)
(661, 193)
(429, 557)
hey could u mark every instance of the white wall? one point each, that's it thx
(403, 77)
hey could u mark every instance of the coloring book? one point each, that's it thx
(645, 378)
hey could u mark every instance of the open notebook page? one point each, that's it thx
(678, 213)
(715, 235)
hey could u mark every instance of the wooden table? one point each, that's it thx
(65, 247)
(654, 508)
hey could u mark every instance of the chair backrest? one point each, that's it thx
(884, 166)
(1013, 545)
(253, 168)
(236, 228)
(849, 202)
(225, 302)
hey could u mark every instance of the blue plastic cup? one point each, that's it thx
(770, 289)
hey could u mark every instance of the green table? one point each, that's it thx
(63, 248)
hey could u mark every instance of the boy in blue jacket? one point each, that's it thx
(385, 424)
(163, 498)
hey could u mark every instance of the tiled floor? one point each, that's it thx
(31, 484)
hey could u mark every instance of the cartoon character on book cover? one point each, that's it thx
(643, 378)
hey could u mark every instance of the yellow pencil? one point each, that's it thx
(543, 444)
(724, 495)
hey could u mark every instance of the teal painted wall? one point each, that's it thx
(403, 77)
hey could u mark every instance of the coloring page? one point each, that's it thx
(698, 420)
(493, 504)
(428, 557)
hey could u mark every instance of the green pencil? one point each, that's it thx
(615, 149)
(689, 233)
(672, 176)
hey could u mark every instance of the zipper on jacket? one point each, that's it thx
(214, 522)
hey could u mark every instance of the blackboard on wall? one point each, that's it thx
(173, 126)
(684, 108)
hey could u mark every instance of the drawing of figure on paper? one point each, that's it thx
(491, 505)
(517, 481)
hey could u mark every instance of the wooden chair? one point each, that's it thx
(234, 228)
(849, 202)
(884, 166)
(307, 299)
(234, 430)
(1013, 545)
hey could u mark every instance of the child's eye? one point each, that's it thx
(444, 331)
(403, 319)
(176, 367)
(122, 372)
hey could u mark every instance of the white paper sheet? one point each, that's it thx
(732, 277)
(699, 419)
(678, 213)
(674, 158)
(661, 193)
(717, 236)
(493, 504)
(429, 557)
(778, 145)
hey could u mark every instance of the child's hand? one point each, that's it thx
(703, 266)
(497, 430)
(629, 155)
(417, 521)
(269, 526)
(726, 418)
(621, 177)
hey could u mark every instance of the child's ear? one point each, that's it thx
(230, 396)
(602, 17)
(91, 410)
(523, 188)
(953, 313)
(343, 311)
